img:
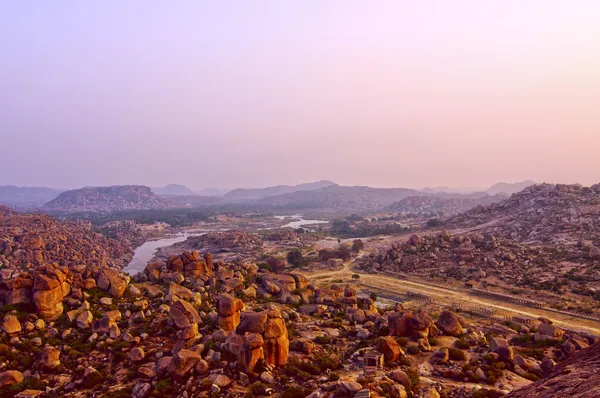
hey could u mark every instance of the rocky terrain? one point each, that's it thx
(542, 213)
(106, 199)
(173, 189)
(490, 261)
(31, 240)
(435, 206)
(193, 326)
(576, 377)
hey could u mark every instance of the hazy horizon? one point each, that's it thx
(232, 94)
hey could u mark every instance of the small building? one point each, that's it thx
(334, 262)
(373, 361)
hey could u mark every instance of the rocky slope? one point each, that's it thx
(106, 199)
(437, 206)
(577, 377)
(245, 194)
(173, 189)
(31, 240)
(543, 213)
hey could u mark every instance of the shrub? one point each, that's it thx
(322, 340)
(402, 341)
(434, 342)
(258, 388)
(462, 344)
(412, 349)
(456, 354)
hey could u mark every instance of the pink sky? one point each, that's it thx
(228, 93)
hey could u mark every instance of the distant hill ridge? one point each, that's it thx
(247, 194)
(107, 199)
(546, 213)
(26, 197)
(172, 189)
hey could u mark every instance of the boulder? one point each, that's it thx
(49, 302)
(449, 324)
(10, 377)
(229, 309)
(11, 325)
(182, 362)
(389, 348)
(112, 282)
(184, 314)
(50, 358)
(250, 352)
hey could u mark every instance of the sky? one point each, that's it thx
(255, 93)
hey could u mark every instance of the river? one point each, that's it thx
(144, 253)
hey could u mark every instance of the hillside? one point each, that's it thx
(173, 189)
(442, 206)
(508, 189)
(577, 377)
(243, 194)
(30, 240)
(106, 199)
(26, 197)
(544, 213)
(337, 197)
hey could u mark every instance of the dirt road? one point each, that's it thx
(448, 296)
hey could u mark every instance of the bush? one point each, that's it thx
(456, 354)
(258, 388)
(402, 341)
(462, 344)
(322, 340)
(296, 392)
(413, 349)
(434, 342)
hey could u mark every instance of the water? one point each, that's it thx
(299, 221)
(143, 254)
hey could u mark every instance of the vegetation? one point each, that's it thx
(176, 217)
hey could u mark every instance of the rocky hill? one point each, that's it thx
(26, 197)
(337, 197)
(509, 188)
(31, 240)
(577, 377)
(243, 194)
(106, 199)
(173, 189)
(543, 213)
(442, 206)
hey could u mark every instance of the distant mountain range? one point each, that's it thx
(26, 198)
(499, 188)
(320, 195)
(107, 199)
(247, 194)
(172, 189)
(509, 189)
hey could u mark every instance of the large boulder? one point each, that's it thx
(182, 362)
(10, 377)
(389, 348)
(449, 324)
(184, 314)
(501, 347)
(11, 325)
(50, 358)
(229, 309)
(250, 352)
(409, 324)
(112, 282)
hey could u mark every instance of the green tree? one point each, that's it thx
(373, 296)
(357, 245)
(295, 257)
